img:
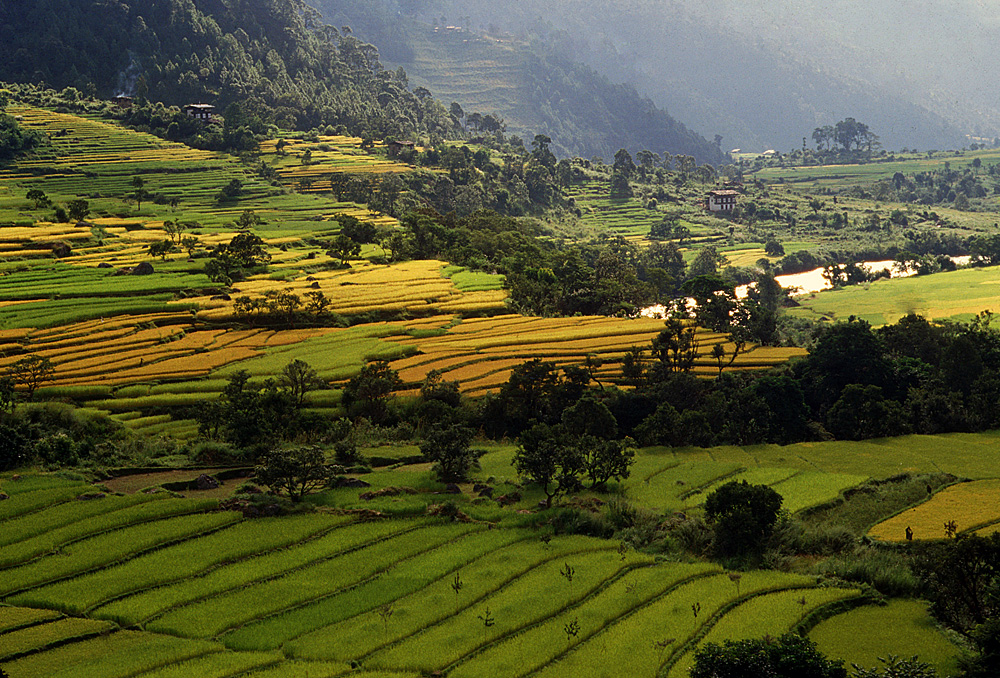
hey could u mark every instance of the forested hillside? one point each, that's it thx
(280, 60)
(534, 87)
(742, 72)
(274, 56)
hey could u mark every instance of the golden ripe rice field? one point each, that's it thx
(973, 506)
(479, 353)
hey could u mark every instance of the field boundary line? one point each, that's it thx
(271, 577)
(704, 629)
(830, 610)
(701, 488)
(57, 643)
(36, 622)
(343, 589)
(91, 535)
(212, 568)
(129, 557)
(666, 468)
(915, 504)
(84, 487)
(635, 609)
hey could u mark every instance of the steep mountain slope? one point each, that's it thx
(757, 86)
(534, 89)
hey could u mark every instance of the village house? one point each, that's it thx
(721, 200)
(122, 101)
(200, 111)
(394, 148)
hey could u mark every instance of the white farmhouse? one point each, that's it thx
(721, 200)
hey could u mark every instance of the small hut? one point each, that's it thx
(200, 111)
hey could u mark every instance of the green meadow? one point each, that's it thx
(955, 295)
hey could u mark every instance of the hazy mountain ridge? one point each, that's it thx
(760, 78)
(535, 88)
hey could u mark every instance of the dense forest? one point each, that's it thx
(284, 65)
(275, 57)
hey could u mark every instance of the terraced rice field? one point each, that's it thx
(682, 479)
(902, 624)
(479, 353)
(209, 593)
(626, 217)
(328, 155)
(412, 287)
(143, 347)
(973, 507)
(97, 160)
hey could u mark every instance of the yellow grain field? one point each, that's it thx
(969, 505)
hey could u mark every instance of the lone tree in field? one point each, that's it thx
(367, 393)
(294, 473)
(30, 372)
(591, 429)
(175, 229)
(450, 448)
(248, 221)
(38, 197)
(344, 248)
(676, 347)
(543, 457)
(78, 209)
(298, 378)
(160, 249)
(139, 184)
(229, 261)
(361, 232)
(744, 516)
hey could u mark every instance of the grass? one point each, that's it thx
(956, 295)
(901, 627)
(513, 608)
(116, 655)
(21, 551)
(13, 618)
(105, 549)
(184, 560)
(26, 502)
(218, 665)
(772, 613)
(59, 631)
(538, 646)
(146, 605)
(360, 636)
(345, 630)
(627, 646)
(39, 522)
(875, 501)
(215, 615)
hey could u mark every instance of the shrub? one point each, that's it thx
(294, 473)
(449, 447)
(789, 656)
(744, 516)
(885, 571)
